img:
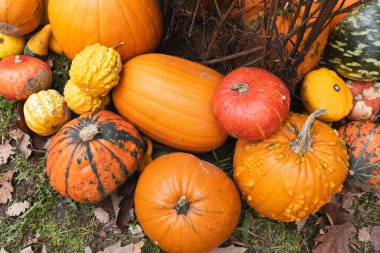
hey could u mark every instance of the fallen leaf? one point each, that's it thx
(364, 235)
(2, 250)
(117, 248)
(135, 229)
(138, 246)
(116, 202)
(6, 150)
(20, 118)
(375, 237)
(50, 61)
(300, 224)
(336, 239)
(17, 208)
(87, 250)
(27, 250)
(347, 201)
(102, 234)
(6, 187)
(102, 215)
(229, 249)
(44, 250)
(337, 216)
(22, 141)
(124, 216)
(41, 142)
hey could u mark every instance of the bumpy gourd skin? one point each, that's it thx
(45, 112)
(80, 102)
(96, 69)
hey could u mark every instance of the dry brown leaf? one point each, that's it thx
(102, 234)
(336, 239)
(2, 250)
(138, 246)
(229, 249)
(116, 202)
(6, 187)
(135, 229)
(44, 250)
(27, 250)
(300, 224)
(22, 141)
(117, 248)
(87, 250)
(102, 215)
(6, 150)
(364, 234)
(124, 216)
(375, 237)
(338, 216)
(17, 208)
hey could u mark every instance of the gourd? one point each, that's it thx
(91, 156)
(294, 172)
(23, 75)
(79, 23)
(185, 204)
(45, 112)
(38, 44)
(251, 103)
(11, 45)
(54, 46)
(324, 88)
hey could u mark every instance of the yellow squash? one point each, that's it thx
(324, 88)
(45, 112)
(96, 69)
(54, 46)
(10, 45)
(38, 44)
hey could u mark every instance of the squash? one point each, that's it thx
(96, 69)
(362, 140)
(293, 173)
(79, 23)
(185, 204)
(54, 46)
(20, 17)
(324, 88)
(91, 156)
(170, 100)
(38, 44)
(11, 45)
(80, 102)
(23, 75)
(45, 112)
(251, 103)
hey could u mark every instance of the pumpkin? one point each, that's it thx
(251, 103)
(169, 99)
(45, 112)
(362, 139)
(79, 23)
(366, 100)
(10, 45)
(45, 16)
(54, 46)
(96, 69)
(38, 44)
(91, 156)
(293, 173)
(185, 204)
(324, 88)
(80, 102)
(20, 17)
(22, 75)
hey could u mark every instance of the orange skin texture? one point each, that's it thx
(20, 17)
(20, 80)
(214, 207)
(77, 24)
(362, 139)
(287, 186)
(169, 99)
(89, 171)
(256, 113)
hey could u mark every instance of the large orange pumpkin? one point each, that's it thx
(186, 205)
(79, 23)
(169, 99)
(20, 17)
(293, 173)
(91, 156)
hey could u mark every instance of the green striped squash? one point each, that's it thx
(353, 49)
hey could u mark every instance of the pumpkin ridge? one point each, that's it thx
(365, 145)
(68, 170)
(157, 32)
(129, 26)
(124, 169)
(94, 168)
(59, 142)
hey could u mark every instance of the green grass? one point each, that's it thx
(7, 115)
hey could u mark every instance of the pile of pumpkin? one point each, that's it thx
(286, 165)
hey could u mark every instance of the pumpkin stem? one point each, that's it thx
(182, 206)
(303, 141)
(118, 45)
(88, 133)
(18, 59)
(241, 87)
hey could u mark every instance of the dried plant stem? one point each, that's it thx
(234, 56)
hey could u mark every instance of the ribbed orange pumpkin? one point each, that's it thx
(20, 17)
(186, 205)
(91, 156)
(79, 23)
(169, 99)
(293, 173)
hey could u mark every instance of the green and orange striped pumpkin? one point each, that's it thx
(91, 156)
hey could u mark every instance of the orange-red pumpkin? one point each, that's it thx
(169, 99)
(363, 143)
(22, 75)
(251, 103)
(186, 205)
(293, 173)
(20, 17)
(79, 23)
(91, 156)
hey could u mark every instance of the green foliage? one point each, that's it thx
(7, 115)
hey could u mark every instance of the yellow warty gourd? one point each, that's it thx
(80, 102)
(45, 112)
(96, 69)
